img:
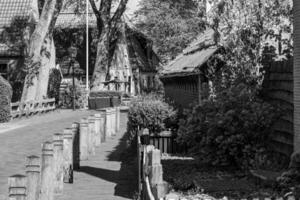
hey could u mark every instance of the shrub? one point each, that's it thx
(230, 129)
(54, 84)
(149, 112)
(66, 97)
(5, 99)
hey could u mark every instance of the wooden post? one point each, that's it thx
(68, 155)
(17, 187)
(103, 127)
(58, 162)
(75, 128)
(113, 121)
(83, 139)
(91, 136)
(47, 175)
(159, 187)
(118, 118)
(33, 177)
(97, 129)
(108, 119)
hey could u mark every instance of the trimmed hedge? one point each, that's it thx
(5, 100)
(54, 84)
(105, 94)
(103, 99)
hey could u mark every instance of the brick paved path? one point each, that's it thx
(104, 176)
(99, 177)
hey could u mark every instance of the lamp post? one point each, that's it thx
(73, 54)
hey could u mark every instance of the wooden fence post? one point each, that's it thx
(47, 175)
(107, 115)
(33, 177)
(113, 121)
(83, 139)
(118, 118)
(97, 130)
(58, 162)
(68, 155)
(103, 127)
(76, 162)
(91, 135)
(17, 187)
(159, 187)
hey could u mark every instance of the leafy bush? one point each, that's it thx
(54, 84)
(231, 129)
(149, 112)
(5, 99)
(66, 97)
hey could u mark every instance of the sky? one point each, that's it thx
(132, 6)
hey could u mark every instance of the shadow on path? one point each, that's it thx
(126, 177)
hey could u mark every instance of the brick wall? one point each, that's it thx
(278, 90)
(182, 91)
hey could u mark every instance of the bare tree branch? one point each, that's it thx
(94, 7)
(119, 12)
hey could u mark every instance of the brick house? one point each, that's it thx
(185, 79)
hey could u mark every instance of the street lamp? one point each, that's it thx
(73, 53)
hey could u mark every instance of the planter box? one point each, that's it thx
(99, 102)
(115, 101)
(102, 102)
(92, 103)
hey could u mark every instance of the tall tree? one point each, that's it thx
(248, 30)
(171, 24)
(107, 25)
(296, 75)
(36, 81)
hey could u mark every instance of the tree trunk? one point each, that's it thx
(296, 76)
(102, 62)
(47, 62)
(33, 63)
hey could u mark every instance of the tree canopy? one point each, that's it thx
(252, 32)
(171, 24)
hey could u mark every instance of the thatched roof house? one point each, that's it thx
(185, 78)
(134, 61)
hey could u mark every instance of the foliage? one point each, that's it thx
(149, 112)
(54, 84)
(250, 30)
(13, 36)
(5, 100)
(66, 38)
(170, 24)
(66, 97)
(230, 129)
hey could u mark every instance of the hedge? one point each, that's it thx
(105, 94)
(54, 84)
(5, 100)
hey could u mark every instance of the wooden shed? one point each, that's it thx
(185, 79)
